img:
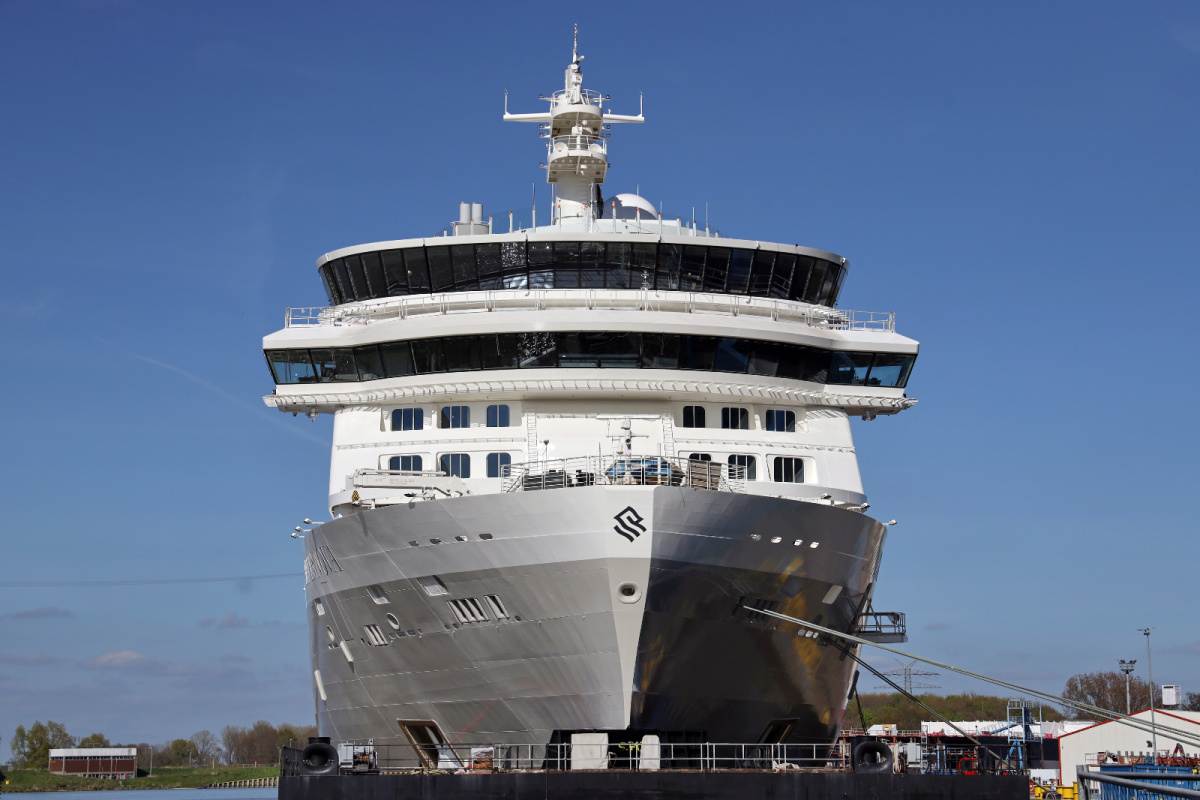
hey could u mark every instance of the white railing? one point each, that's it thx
(566, 473)
(591, 299)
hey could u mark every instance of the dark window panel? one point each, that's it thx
(890, 369)
(849, 368)
(732, 355)
(816, 281)
(291, 366)
(462, 353)
(660, 351)
(697, 352)
(781, 276)
(496, 462)
(331, 288)
(760, 273)
(744, 467)
(394, 273)
(735, 418)
(789, 470)
(716, 269)
(427, 356)
(441, 275)
(397, 359)
(642, 266)
(358, 278)
(334, 365)
(804, 268)
(374, 269)
(405, 463)
(487, 261)
(693, 416)
(537, 350)
(343, 280)
(497, 416)
(691, 274)
(739, 271)
(591, 265)
(513, 265)
(408, 419)
(456, 464)
(370, 363)
(826, 291)
(499, 351)
(463, 258)
(792, 361)
(765, 358)
(541, 254)
(837, 287)
(617, 266)
(417, 268)
(600, 349)
(667, 266)
(566, 265)
(573, 351)
(816, 367)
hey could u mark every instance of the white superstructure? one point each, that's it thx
(607, 351)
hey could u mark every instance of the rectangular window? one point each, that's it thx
(455, 417)
(463, 258)
(739, 271)
(733, 355)
(408, 419)
(781, 421)
(890, 369)
(736, 418)
(461, 352)
(693, 416)
(440, 273)
(849, 368)
(370, 366)
(405, 463)
(397, 359)
(335, 365)
(487, 259)
(743, 467)
(497, 416)
(789, 470)
(496, 462)
(291, 366)
(394, 272)
(699, 457)
(499, 351)
(417, 269)
(456, 464)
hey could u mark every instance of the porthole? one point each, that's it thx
(329, 634)
(629, 593)
(395, 623)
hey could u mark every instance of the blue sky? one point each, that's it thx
(1017, 181)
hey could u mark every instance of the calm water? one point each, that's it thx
(155, 794)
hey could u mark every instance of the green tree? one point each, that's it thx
(95, 740)
(38, 741)
(18, 745)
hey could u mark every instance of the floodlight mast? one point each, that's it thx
(1127, 667)
(577, 148)
(1150, 667)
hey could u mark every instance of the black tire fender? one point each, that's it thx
(319, 757)
(871, 758)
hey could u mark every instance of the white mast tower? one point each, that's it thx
(576, 153)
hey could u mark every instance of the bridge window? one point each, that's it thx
(781, 421)
(291, 366)
(456, 464)
(496, 462)
(789, 470)
(736, 418)
(497, 416)
(693, 416)
(405, 463)
(408, 419)
(455, 417)
(699, 457)
(744, 467)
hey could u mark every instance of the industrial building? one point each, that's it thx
(1114, 743)
(94, 762)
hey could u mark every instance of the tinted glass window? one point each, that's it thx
(691, 276)
(699, 457)
(789, 470)
(456, 464)
(394, 272)
(455, 417)
(693, 416)
(849, 368)
(781, 276)
(406, 463)
(343, 279)
(760, 272)
(566, 265)
(373, 266)
(427, 356)
(291, 366)
(826, 290)
(764, 358)
(537, 350)
(792, 361)
(334, 365)
(591, 265)
(618, 274)
(732, 355)
(408, 419)
(800, 276)
(716, 269)
(743, 467)
(513, 268)
(418, 270)
(495, 461)
(463, 258)
(667, 266)
(890, 369)
(697, 352)
(358, 278)
(735, 417)
(739, 271)
(462, 353)
(331, 288)
(816, 281)
(780, 420)
(370, 365)
(499, 351)
(487, 261)
(660, 351)
(397, 359)
(837, 287)
(497, 416)
(440, 273)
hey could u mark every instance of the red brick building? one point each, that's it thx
(95, 762)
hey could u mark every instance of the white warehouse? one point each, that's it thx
(1084, 747)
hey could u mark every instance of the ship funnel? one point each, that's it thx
(464, 213)
(470, 221)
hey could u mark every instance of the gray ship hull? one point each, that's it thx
(614, 608)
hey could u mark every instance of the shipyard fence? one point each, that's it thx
(622, 471)
(636, 756)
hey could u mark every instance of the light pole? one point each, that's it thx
(1150, 667)
(1127, 667)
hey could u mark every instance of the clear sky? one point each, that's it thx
(1020, 182)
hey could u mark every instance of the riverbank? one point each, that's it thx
(40, 780)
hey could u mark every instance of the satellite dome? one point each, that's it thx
(628, 205)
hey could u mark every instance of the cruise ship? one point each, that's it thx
(571, 463)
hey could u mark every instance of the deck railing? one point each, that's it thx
(565, 473)
(591, 299)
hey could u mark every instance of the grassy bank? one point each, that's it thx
(39, 780)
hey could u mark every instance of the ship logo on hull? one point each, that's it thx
(629, 523)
